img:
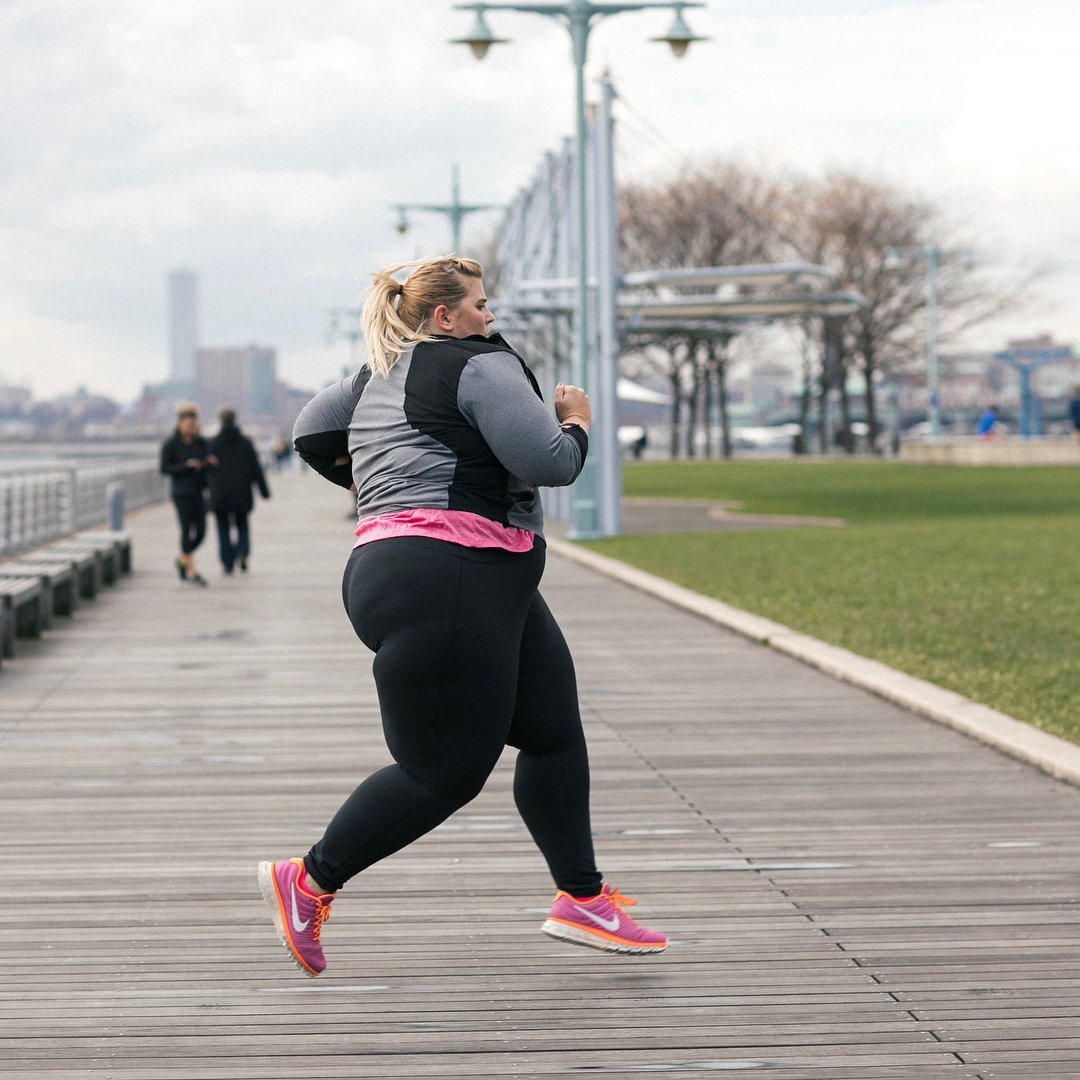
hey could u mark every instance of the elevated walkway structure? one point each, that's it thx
(852, 891)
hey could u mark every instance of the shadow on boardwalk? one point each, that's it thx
(852, 891)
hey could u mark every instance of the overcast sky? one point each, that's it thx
(260, 143)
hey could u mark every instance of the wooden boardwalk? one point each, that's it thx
(852, 891)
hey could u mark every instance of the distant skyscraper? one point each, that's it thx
(183, 326)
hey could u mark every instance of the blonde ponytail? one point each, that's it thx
(395, 313)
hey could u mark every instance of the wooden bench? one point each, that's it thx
(21, 600)
(105, 552)
(49, 581)
(120, 540)
(58, 585)
(84, 561)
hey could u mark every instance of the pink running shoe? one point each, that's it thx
(601, 923)
(298, 914)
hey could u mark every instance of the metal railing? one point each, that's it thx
(39, 504)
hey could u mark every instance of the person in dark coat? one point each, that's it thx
(187, 461)
(231, 500)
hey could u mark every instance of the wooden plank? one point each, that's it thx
(865, 1066)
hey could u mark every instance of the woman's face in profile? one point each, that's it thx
(472, 315)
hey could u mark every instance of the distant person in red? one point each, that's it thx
(186, 459)
(987, 427)
(236, 473)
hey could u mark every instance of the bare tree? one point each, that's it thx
(716, 362)
(727, 214)
(716, 215)
(851, 224)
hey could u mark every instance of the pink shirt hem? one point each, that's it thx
(453, 526)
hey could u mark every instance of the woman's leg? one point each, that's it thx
(551, 780)
(445, 623)
(187, 512)
(551, 786)
(243, 536)
(198, 522)
(225, 544)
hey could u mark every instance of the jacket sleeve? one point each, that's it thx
(170, 464)
(495, 396)
(257, 473)
(321, 432)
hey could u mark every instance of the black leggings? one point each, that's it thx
(191, 510)
(468, 660)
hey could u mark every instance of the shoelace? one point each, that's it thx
(322, 913)
(618, 898)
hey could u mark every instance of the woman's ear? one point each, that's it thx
(439, 318)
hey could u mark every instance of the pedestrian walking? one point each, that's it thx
(1074, 413)
(186, 460)
(987, 426)
(444, 437)
(230, 482)
(283, 452)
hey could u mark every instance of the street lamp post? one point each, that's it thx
(578, 17)
(456, 211)
(932, 256)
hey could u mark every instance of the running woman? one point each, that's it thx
(444, 437)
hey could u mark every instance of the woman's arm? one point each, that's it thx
(257, 470)
(321, 432)
(171, 464)
(494, 395)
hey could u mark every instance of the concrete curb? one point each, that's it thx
(1052, 755)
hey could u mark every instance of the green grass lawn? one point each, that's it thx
(967, 577)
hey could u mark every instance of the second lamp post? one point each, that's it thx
(455, 211)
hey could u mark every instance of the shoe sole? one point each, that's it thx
(268, 886)
(565, 932)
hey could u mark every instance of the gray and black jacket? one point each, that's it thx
(459, 424)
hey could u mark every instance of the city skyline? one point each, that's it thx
(263, 148)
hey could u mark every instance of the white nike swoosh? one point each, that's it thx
(611, 925)
(298, 926)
